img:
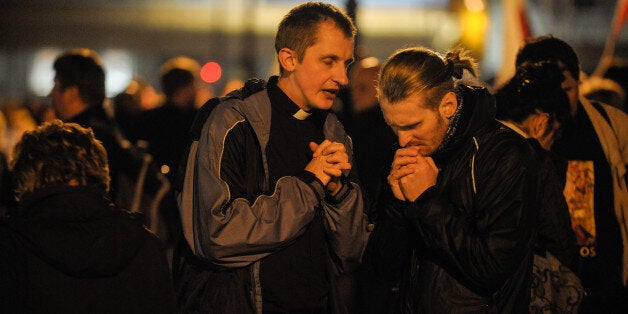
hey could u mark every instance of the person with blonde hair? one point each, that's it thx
(458, 212)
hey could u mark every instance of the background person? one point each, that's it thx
(595, 143)
(68, 248)
(533, 104)
(364, 122)
(166, 130)
(78, 96)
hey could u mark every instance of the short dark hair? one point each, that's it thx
(82, 68)
(298, 29)
(549, 48)
(177, 73)
(57, 153)
(174, 80)
(535, 86)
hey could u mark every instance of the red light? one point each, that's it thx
(211, 72)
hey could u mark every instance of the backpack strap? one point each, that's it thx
(251, 87)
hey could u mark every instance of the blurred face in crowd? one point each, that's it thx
(362, 87)
(314, 82)
(570, 86)
(60, 98)
(419, 124)
(185, 97)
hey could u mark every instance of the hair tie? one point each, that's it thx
(452, 69)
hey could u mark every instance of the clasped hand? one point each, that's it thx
(411, 174)
(329, 159)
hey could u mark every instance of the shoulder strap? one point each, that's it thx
(251, 87)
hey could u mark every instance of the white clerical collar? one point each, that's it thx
(301, 114)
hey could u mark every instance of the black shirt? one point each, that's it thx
(294, 278)
(580, 142)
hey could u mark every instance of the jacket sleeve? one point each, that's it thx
(233, 223)
(345, 218)
(481, 237)
(345, 223)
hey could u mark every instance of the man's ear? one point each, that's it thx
(287, 59)
(539, 125)
(448, 105)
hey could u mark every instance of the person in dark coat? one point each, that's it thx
(138, 97)
(595, 144)
(534, 105)
(166, 130)
(68, 248)
(166, 127)
(364, 122)
(461, 199)
(78, 96)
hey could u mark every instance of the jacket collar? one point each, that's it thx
(478, 110)
(63, 201)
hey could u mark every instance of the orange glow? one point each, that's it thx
(474, 25)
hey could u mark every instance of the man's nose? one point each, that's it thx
(404, 138)
(340, 75)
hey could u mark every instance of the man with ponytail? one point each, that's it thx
(461, 195)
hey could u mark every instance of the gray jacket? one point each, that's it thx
(232, 231)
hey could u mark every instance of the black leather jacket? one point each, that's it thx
(466, 244)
